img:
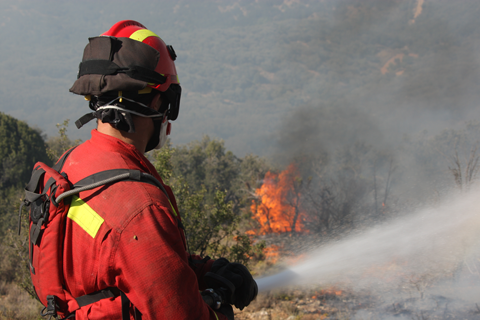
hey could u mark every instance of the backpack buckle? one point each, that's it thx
(51, 308)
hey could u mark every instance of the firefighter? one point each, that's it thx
(127, 237)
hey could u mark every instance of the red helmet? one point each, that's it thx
(137, 59)
(137, 31)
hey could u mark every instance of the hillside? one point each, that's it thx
(251, 70)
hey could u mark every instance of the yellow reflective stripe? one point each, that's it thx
(142, 34)
(173, 209)
(145, 90)
(84, 216)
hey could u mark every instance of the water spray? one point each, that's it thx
(281, 279)
(429, 241)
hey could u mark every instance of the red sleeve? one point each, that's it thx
(150, 265)
(200, 266)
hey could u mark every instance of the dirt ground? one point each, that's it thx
(308, 305)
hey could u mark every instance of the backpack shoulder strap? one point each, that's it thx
(59, 165)
(111, 176)
(38, 172)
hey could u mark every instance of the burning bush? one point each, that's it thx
(277, 208)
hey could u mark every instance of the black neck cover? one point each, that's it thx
(116, 64)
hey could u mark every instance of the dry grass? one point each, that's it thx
(404, 303)
(16, 304)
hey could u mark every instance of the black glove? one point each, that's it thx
(227, 311)
(245, 288)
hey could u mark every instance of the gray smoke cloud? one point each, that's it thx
(400, 81)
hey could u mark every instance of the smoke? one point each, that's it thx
(430, 84)
(319, 129)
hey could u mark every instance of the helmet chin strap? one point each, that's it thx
(118, 115)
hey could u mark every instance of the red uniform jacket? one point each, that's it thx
(126, 235)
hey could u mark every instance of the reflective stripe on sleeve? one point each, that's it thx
(173, 209)
(84, 216)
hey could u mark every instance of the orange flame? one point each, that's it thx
(272, 253)
(278, 209)
(330, 291)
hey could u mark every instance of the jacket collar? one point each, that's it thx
(128, 152)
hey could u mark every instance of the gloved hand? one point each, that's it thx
(245, 287)
(227, 311)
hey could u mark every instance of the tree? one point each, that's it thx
(20, 148)
(206, 164)
(465, 175)
(202, 175)
(31, 148)
(59, 144)
(460, 149)
(347, 189)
